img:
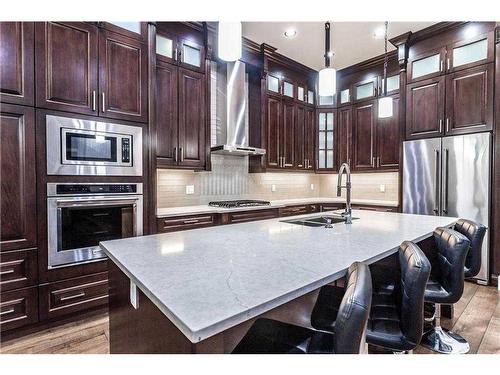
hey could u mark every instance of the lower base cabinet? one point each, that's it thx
(18, 308)
(18, 269)
(74, 295)
(251, 215)
(375, 208)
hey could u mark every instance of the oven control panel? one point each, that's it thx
(76, 189)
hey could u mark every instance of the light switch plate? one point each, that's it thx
(312, 186)
(382, 188)
(189, 189)
(273, 187)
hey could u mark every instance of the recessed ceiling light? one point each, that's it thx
(379, 33)
(290, 33)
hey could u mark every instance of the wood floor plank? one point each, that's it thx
(491, 339)
(470, 290)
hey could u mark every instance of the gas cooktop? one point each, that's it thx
(239, 203)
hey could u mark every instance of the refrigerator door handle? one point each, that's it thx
(436, 174)
(445, 183)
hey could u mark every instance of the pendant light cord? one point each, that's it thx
(327, 44)
(385, 60)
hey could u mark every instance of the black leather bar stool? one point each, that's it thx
(267, 336)
(445, 286)
(475, 234)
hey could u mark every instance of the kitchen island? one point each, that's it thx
(198, 291)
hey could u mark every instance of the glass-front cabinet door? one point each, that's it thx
(301, 93)
(470, 53)
(365, 90)
(273, 84)
(392, 84)
(345, 96)
(166, 48)
(132, 29)
(310, 97)
(191, 55)
(288, 89)
(427, 65)
(326, 135)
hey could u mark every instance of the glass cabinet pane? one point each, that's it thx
(470, 53)
(392, 83)
(191, 55)
(273, 84)
(321, 159)
(164, 46)
(329, 140)
(135, 27)
(322, 121)
(329, 159)
(329, 121)
(344, 96)
(288, 89)
(426, 66)
(321, 143)
(326, 100)
(300, 93)
(365, 91)
(310, 96)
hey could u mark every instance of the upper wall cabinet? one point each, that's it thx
(132, 29)
(326, 140)
(66, 71)
(17, 62)
(366, 89)
(179, 49)
(83, 69)
(426, 65)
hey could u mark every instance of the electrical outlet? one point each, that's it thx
(189, 189)
(382, 188)
(273, 187)
(312, 186)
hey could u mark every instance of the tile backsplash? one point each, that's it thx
(229, 179)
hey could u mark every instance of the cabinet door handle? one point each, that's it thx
(94, 100)
(175, 54)
(78, 295)
(374, 161)
(7, 272)
(447, 124)
(103, 102)
(181, 151)
(446, 178)
(448, 63)
(378, 161)
(441, 65)
(440, 125)
(191, 221)
(175, 154)
(8, 311)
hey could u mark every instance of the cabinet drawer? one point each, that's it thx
(331, 206)
(18, 269)
(294, 210)
(313, 208)
(18, 308)
(243, 216)
(173, 224)
(73, 295)
(375, 208)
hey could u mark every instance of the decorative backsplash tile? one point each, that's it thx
(229, 179)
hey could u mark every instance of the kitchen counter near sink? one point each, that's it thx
(206, 209)
(200, 289)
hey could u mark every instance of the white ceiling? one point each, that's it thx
(351, 42)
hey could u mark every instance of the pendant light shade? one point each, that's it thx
(327, 82)
(229, 41)
(385, 107)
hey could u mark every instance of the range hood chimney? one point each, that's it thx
(230, 123)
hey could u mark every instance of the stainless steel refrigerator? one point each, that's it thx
(450, 176)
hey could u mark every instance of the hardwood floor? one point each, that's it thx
(477, 318)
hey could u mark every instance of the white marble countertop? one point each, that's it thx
(204, 209)
(211, 279)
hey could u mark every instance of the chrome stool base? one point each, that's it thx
(443, 341)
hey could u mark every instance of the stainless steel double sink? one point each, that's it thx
(326, 221)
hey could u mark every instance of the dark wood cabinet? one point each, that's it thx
(375, 208)
(18, 269)
(18, 308)
(300, 138)
(192, 140)
(365, 90)
(17, 50)
(273, 116)
(427, 64)
(18, 189)
(363, 136)
(425, 108)
(469, 100)
(465, 54)
(122, 69)
(178, 223)
(131, 29)
(344, 135)
(166, 114)
(73, 295)
(388, 138)
(331, 206)
(250, 215)
(310, 138)
(66, 66)
(287, 130)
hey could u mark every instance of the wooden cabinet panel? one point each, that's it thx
(331, 206)
(140, 31)
(166, 114)
(388, 130)
(18, 269)
(18, 189)
(66, 68)
(273, 112)
(17, 50)
(191, 55)
(122, 77)
(468, 53)
(251, 215)
(287, 134)
(374, 208)
(18, 308)
(192, 141)
(344, 135)
(365, 90)
(310, 138)
(295, 210)
(173, 224)
(469, 100)
(364, 136)
(73, 295)
(300, 138)
(425, 108)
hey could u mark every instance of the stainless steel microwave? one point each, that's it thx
(88, 148)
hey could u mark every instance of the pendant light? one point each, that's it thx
(229, 41)
(385, 102)
(327, 76)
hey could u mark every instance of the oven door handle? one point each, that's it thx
(95, 203)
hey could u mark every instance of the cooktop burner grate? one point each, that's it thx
(239, 203)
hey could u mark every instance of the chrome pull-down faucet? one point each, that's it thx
(344, 168)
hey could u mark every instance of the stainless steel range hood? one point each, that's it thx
(229, 98)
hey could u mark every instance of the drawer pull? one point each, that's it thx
(6, 272)
(8, 311)
(191, 221)
(66, 298)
